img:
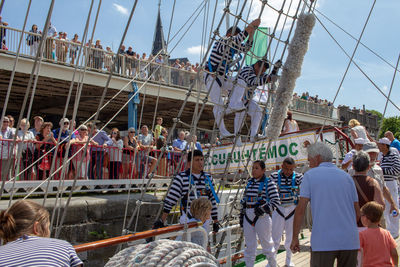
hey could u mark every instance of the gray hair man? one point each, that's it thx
(335, 210)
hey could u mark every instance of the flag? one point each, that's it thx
(260, 43)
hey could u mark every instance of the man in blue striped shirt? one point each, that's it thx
(219, 63)
(390, 164)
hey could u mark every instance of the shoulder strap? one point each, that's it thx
(360, 190)
(208, 181)
(279, 178)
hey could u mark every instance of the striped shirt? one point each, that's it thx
(390, 165)
(284, 191)
(251, 194)
(180, 187)
(249, 76)
(222, 54)
(38, 251)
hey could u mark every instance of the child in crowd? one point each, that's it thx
(158, 128)
(200, 209)
(260, 199)
(377, 245)
(24, 228)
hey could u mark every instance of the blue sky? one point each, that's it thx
(324, 64)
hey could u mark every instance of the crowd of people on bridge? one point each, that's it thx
(108, 155)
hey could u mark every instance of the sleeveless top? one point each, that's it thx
(130, 143)
(367, 186)
(360, 130)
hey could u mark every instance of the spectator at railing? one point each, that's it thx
(60, 48)
(158, 128)
(98, 55)
(129, 156)
(89, 55)
(115, 153)
(51, 33)
(193, 144)
(175, 72)
(3, 34)
(11, 125)
(161, 142)
(63, 139)
(25, 148)
(130, 62)
(38, 121)
(45, 136)
(143, 67)
(108, 58)
(6, 148)
(73, 50)
(151, 68)
(120, 61)
(158, 73)
(179, 145)
(83, 155)
(97, 153)
(146, 145)
(32, 40)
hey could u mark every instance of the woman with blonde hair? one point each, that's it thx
(358, 131)
(24, 228)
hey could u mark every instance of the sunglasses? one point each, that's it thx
(132, 132)
(66, 123)
(114, 132)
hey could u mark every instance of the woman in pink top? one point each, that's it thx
(377, 245)
(77, 144)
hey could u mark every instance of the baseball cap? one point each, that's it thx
(370, 147)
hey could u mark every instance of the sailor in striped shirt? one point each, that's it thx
(390, 164)
(218, 65)
(248, 79)
(260, 199)
(189, 185)
(288, 182)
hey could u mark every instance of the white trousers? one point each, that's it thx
(236, 103)
(216, 98)
(255, 113)
(34, 48)
(262, 229)
(278, 225)
(392, 223)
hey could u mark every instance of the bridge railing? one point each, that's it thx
(30, 161)
(65, 52)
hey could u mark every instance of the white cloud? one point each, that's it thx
(195, 50)
(121, 9)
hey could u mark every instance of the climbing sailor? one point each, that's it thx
(260, 199)
(218, 65)
(242, 96)
(187, 186)
(288, 182)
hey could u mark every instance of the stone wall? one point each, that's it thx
(91, 218)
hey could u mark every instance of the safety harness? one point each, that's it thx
(293, 192)
(206, 192)
(259, 199)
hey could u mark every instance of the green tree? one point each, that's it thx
(391, 124)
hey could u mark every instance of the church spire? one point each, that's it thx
(158, 40)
